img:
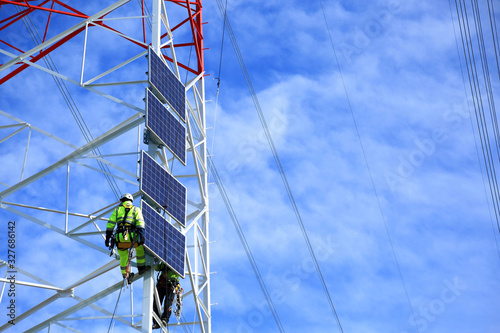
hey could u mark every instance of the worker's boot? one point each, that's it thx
(143, 269)
(130, 278)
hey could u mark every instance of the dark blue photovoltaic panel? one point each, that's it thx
(168, 87)
(165, 127)
(161, 187)
(164, 240)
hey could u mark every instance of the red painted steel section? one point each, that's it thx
(143, 22)
(194, 18)
(47, 26)
(75, 12)
(41, 55)
(199, 21)
(14, 18)
(10, 45)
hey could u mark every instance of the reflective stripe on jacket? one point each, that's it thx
(134, 217)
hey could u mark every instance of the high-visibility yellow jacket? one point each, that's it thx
(134, 217)
(166, 275)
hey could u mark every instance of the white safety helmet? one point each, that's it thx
(127, 196)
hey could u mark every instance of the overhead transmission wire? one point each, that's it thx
(494, 31)
(473, 132)
(496, 48)
(486, 74)
(476, 93)
(229, 207)
(367, 164)
(234, 218)
(70, 102)
(241, 235)
(487, 80)
(279, 164)
(224, 18)
(116, 307)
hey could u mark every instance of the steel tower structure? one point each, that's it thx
(97, 51)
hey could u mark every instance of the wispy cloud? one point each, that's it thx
(400, 70)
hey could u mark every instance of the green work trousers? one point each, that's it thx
(123, 247)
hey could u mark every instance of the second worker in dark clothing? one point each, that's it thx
(167, 283)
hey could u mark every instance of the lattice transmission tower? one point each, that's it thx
(97, 99)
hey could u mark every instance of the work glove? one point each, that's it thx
(108, 237)
(140, 239)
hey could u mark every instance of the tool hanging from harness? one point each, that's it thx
(178, 301)
(177, 291)
(112, 244)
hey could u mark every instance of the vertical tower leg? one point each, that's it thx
(147, 297)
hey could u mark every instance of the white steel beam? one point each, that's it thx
(31, 311)
(60, 36)
(147, 298)
(13, 133)
(53, 228)
(53, 210)
(31, 284)
(198, 268)
(156, 26)
(196, 299)
(76, 307)
(195, 159)
(115, 68)
(75, 82)
(108, 136)
(133, 182)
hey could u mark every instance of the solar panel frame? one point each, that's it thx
(165, 85)
(163, 240)
(163, 189)
(165, 127)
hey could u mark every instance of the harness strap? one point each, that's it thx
(123, 225)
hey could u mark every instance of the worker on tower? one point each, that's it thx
(168, 286)
(129, 232)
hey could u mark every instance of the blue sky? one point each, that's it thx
(411, 234)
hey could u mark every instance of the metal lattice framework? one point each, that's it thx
(118, 80)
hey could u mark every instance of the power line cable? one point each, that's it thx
(367, 164)
(116, 307)
(241, 235)
(224, 17)
(475, 89)
(278, 163)
(494, 32)
(486, 74)
(473, 132)
(70, 102)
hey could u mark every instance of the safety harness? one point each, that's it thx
(178, 301)
(177, 290)
(126, 229)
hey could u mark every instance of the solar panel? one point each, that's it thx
(166, 129)
(161, 187)
(163, 239)
(166, 85)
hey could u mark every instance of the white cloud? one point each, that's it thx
(404, 85)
